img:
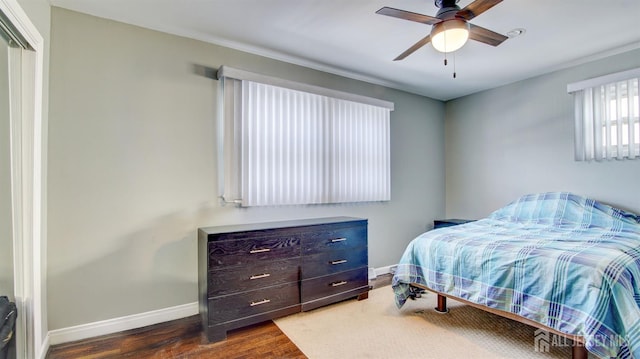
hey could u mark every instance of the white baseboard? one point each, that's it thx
(115, 325)
(110, 326)
(384, 270)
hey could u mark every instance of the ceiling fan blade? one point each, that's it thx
(408, 15)
(425, 40)
(485, 35)
(476, 8)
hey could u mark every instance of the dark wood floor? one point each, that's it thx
(183, 338)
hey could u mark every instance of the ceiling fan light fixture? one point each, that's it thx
(449, 35)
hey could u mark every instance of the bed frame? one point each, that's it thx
(578, 351)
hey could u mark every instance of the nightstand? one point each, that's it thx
(441, 223)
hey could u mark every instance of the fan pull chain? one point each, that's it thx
(445, 47)
(454, 65)
(454, 58)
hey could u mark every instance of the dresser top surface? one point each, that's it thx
(278, 224)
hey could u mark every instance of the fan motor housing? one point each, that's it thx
(445, 3)
(448, 9)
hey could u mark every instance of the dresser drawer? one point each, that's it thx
(231, 307)
(325, 263)
(339, 238)
(248, 251)
(333, 284)
(229, 280)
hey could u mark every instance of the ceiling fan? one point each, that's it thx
(451, 27)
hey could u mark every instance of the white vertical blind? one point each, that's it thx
(360, 151)
(229, 142)
(607, 124)
(284, 146)
(281, 146)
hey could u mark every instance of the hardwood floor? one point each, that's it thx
(183, 338)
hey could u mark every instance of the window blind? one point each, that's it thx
(293, 143)
(606, 111)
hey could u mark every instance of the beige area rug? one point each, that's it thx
(376, 328)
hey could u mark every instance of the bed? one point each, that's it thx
(557, 260)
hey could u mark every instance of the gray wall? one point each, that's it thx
(518, 139)
(132, 167)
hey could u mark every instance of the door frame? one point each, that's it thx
(28, 181)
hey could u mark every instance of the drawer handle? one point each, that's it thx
(337, 284)
(262, 250)
(264, 301)
(339, 261)
(338, 240)
(259, 276)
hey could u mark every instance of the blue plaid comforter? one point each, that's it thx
(567, 262)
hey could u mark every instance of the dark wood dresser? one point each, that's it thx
(256, 272)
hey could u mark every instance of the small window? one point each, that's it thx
(607, 111)
(288, 143)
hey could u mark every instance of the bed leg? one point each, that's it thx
(442, 304)
(578, 351)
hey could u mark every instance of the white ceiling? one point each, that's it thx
(346, 37)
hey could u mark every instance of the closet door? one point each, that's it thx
(7, 286)
(22, 177)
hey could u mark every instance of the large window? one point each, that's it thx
(607, 111)
(287, 143)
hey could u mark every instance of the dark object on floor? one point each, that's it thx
(415, 292)
(8, 314)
